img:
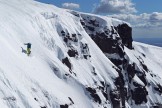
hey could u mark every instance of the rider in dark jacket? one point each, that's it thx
(28, 48)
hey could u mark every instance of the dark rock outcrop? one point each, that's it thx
(72, 52)
(131, 71)
(64, 106)
(115, 98)
(125, 33)
(139, 95)
(94, 94)
(66, 61)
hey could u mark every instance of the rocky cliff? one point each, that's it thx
(133, 83)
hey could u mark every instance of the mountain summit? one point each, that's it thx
(77, 60)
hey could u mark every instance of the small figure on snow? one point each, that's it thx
(28, 51)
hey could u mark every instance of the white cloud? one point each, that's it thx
(156, 17)
(115, 6)
(70, 5)
(143, 20)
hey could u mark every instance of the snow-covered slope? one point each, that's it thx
(42, 80)
(151, 56)
(66, 67)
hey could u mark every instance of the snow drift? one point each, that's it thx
(78, 60)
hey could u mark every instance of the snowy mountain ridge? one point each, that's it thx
(78, 60)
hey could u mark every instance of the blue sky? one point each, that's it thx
(145, 16)
(84, 8)
(142, 6)
(148, 6)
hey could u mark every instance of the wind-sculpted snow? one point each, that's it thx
(77, 60)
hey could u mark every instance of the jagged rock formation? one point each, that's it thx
(125, 32)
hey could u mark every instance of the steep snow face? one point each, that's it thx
(148, 67)
(151, 56)
(67, 66)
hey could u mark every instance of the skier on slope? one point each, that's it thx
(28, 51)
